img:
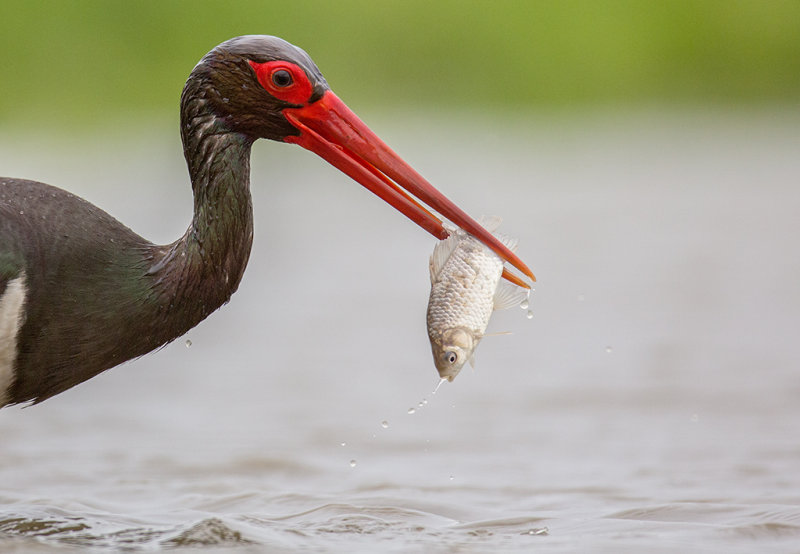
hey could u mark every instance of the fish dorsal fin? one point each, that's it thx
(441, 253)
(508, 295)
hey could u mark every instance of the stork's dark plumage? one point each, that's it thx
(81, 293)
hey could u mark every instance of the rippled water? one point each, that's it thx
(651, 404)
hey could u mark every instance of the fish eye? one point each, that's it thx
(452, 357)
(282, 78)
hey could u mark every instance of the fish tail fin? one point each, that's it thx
(491, 223)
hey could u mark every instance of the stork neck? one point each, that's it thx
(219, 167)
(201, 271)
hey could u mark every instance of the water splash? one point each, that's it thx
(385, 424)
(541, 531)
(439, 384)
(188, 343)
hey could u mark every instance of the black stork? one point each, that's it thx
(81, 293)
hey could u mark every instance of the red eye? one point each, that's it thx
(283, 80)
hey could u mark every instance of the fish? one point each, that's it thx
(466, 287)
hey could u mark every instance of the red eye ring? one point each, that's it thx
(284, 80)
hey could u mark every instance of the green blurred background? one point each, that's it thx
(71, 62)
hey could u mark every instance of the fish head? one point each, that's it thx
(452, 350)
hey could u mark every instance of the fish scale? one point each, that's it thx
(465, 277)
(462, 295)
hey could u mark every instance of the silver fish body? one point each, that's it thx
(466, 288)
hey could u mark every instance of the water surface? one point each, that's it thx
(651, 404)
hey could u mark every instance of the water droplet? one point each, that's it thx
(225, 100)
(353, 463)
(420, 404)
(452, 477)
(529, 315)
(609, 350)
(385, 424)
(536, 531)
(412, 411)
(524, 304)
(342, 443)
(188, 343)
(439, 385)
(424, 401)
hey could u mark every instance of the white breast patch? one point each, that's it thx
(12, 303)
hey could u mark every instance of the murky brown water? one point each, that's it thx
(650, 405)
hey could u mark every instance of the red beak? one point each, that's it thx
(331, 130)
